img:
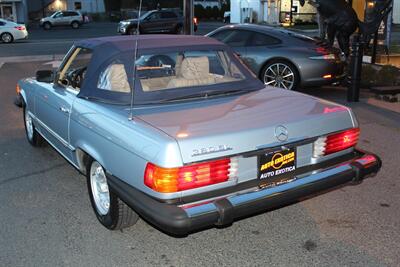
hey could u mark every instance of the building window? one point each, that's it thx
(78, 5)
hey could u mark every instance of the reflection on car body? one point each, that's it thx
(199, 141)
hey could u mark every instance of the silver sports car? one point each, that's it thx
(283, 58)
(186, 136)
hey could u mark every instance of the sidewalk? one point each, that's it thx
(338, 94)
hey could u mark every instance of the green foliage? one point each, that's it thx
(388, 76)
(384, 76)
(368, 75)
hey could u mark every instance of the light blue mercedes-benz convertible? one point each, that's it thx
(185, 136)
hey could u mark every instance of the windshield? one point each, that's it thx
(145, 14)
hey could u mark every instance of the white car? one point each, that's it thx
(63, 18)
(11, 31)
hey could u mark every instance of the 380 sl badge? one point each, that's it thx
(210, 150)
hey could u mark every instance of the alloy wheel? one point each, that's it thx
(100, 190)
(6, 38)
(280, 75)
(29, 125)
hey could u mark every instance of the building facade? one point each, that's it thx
(14, 10)
(86, 6)
(396, 11)
(271, 11)
(278, 11)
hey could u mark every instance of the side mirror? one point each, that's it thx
(46, 76)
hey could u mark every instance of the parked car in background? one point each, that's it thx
(155, 21)
(11, 31)
(198, 142)
(63, 18)
(283, 58)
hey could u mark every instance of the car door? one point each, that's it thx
(169, 21)
(153, 23)
(54, 100)
(57, 19)
(260, 47)
(2, 27)
(236, 39)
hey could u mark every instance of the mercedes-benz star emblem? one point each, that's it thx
(281, 133)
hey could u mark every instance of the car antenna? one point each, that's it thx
(134, 60)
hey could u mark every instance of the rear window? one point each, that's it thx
(235, 38)
(260, 39)
(70, 14)
(168, 15)
(186, 69)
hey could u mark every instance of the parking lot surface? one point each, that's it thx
(46, 218)
(59, 40)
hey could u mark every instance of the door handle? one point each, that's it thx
(64, 109)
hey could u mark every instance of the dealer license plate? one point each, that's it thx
(277, 163)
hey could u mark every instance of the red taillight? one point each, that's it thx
(341, 141)
(168, 180)
(321, 50)
(20, 28)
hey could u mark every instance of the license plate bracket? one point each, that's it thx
(276, 163)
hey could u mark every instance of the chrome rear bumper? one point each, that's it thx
(183, 219)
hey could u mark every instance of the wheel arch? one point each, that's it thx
(84, 153)
(23, 96)
(269, 60)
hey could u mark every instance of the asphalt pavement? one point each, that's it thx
(58, 40)
(46, 218)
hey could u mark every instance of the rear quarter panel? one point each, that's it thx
(123, 147)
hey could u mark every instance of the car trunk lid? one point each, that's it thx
(226, 126)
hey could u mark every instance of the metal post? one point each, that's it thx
(374, 48)
(188, 10)
(291, 12)
(356, 57)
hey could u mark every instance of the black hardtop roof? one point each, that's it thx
(145, 42)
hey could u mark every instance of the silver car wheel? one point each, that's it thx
(100, 191)
(6, 38)
(29, 125)
(134, 31)
(280, 75)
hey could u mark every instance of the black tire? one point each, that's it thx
(34, 138)
(179, 29)
(47, 26)
(75, 25)
(7, 37)
(289, 67)
(133, 31)
(119, 214)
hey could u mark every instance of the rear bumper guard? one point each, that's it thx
(181, 220)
